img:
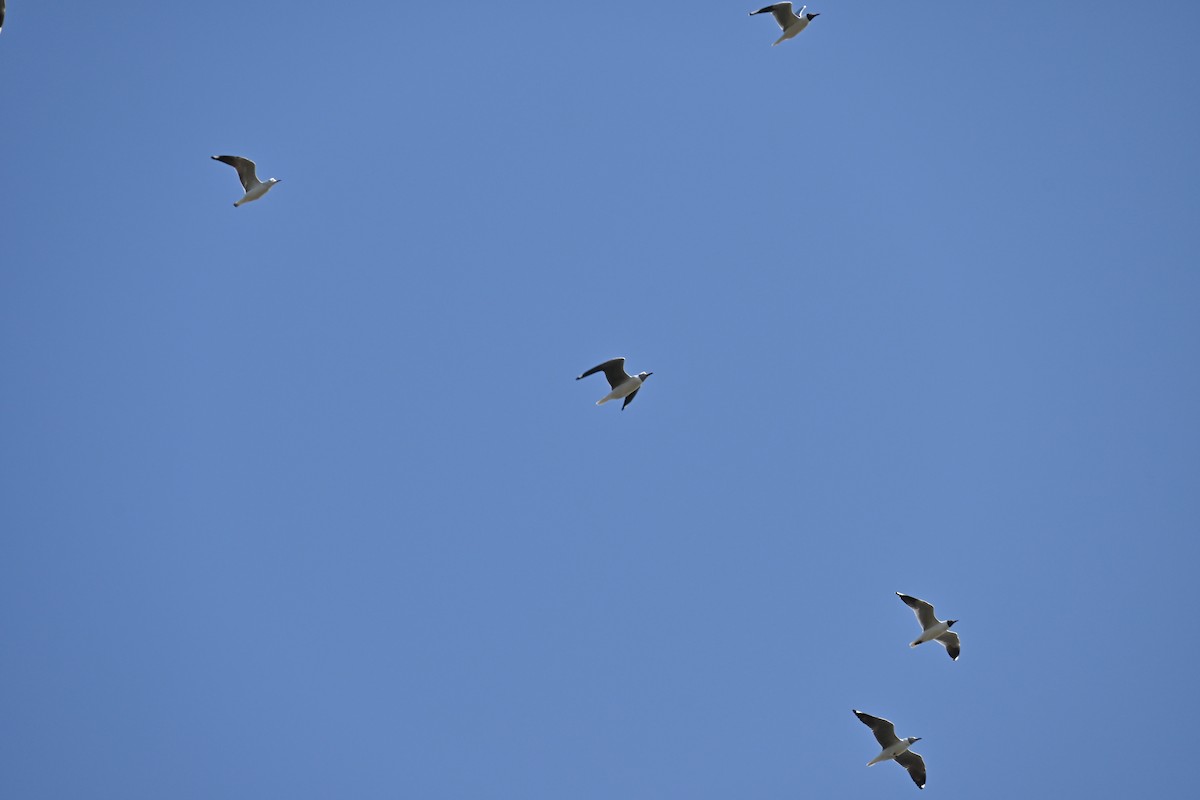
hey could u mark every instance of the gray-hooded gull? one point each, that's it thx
(933, 629)
(622, 383)
(790, 23)
(894, 749)
(246, 174)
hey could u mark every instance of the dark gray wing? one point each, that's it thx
(782, 13)
(950, 639)
(629, 397)
(924, 611)
(915, 766)
(1, 14)
(885, 732)
(245, 169)
(613, 369)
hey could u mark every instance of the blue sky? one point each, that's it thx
(301, 499)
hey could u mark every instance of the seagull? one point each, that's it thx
(933, 627)
(250, 182)
(790, 23)
(893, 748)
(623, 384)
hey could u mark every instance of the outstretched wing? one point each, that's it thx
(613, 369)
(923, 610)
(245, 170)
(915, 766)
(950, 639)
(885, 731)
(782, 13)
(629, 397)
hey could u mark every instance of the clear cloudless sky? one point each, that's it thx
(302, 500)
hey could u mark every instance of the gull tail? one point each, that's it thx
(603, 400)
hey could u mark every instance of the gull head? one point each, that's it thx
(913, 739)
(950, 623)
(643, 375)
(811, 16)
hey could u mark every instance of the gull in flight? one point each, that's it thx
(933, 628)
(250, 182)
(791, 24)
(622, 383)
(895, 749)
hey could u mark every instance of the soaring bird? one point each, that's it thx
(933, 628)
(246, 174)
(894, 749)
(791, 24)
(623, 384)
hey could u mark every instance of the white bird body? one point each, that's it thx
(256, 192)
(623, 390)
(889, 753)
(790, 23)
(930, 634)
(248, 175)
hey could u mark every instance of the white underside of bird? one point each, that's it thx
(791, 32)
(890, 753)
(256, 192)
(929, 634)
(624, 390)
